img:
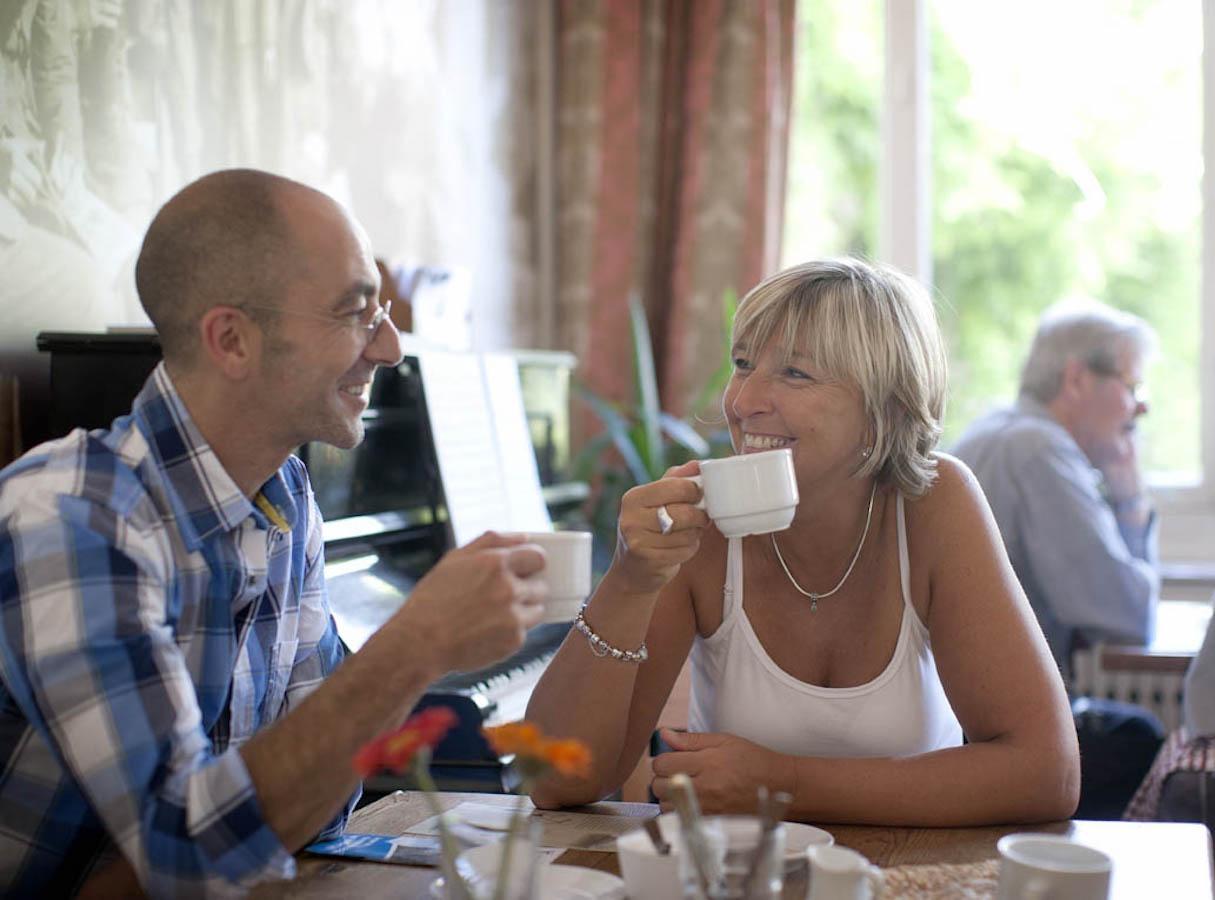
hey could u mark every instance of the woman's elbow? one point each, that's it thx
(555, 793)
(1054, 792)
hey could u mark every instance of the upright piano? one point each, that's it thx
(386, 523)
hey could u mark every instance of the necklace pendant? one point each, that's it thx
(813, 603)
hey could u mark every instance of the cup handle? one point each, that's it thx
(700, 483)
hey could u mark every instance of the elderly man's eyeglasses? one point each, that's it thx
(368, 319)
(1137, 389)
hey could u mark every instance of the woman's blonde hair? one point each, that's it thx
(870, 326)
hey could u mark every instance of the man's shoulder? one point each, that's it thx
(104, 467)
(1016, 434)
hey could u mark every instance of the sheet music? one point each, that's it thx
(481, 442)
(515, 452)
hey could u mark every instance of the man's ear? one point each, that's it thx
(230, 341)
(1076, 378)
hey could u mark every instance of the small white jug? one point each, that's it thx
(837, 873)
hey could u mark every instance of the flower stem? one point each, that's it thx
(516, 824)
(456, 888)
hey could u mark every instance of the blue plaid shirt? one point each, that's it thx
(152, 619)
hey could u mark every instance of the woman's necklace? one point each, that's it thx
(814, 598)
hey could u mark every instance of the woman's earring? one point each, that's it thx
(866, 452)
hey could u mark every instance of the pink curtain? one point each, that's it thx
(671, 133)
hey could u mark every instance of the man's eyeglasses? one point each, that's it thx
(372, 316)
(1137, 389)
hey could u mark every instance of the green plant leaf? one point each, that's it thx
(684, 434)
(618, 427)
(646, 385)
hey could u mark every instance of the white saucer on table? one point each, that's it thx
(798, 837)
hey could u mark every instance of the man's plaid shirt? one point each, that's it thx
(152, 618)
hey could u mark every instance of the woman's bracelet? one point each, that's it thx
(600, 647)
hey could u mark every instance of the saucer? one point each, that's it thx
(559, 882)
(798, 838)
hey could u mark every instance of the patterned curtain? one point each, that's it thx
(670, 141)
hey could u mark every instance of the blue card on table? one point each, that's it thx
(408, 849)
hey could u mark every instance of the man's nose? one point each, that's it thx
(384, 348)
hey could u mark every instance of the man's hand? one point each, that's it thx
(475, 606)
(726, 771)
(1123, 478)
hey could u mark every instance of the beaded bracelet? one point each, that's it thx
(600, 647)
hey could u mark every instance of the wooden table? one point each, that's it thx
(1150, 860)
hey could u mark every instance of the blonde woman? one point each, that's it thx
(843, 659)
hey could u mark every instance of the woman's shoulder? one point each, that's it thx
(953, 499)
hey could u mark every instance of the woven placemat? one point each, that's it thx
(943, 881)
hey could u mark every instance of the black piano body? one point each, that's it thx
(385, 520)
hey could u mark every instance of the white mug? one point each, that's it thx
(837, 873)
(567, 571)
(751, 493)
(1051, 867)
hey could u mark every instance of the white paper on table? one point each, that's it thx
(559, 830)
(485, 456)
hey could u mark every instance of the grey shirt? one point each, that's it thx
(1083, 571)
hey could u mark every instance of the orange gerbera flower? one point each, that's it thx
(519, 738)
(534, 752)
(569, 757)
(393, 752)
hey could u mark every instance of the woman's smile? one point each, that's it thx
(755, 442)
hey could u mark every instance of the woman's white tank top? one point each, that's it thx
(738, 689)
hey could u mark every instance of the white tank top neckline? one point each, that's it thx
(739, 689)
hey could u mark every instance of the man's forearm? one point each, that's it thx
(301, 765)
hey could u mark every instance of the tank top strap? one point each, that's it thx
(731, 593)
(904, 560)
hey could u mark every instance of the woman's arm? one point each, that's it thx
(611, 705)
(1021, 763)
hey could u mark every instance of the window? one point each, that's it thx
(1066, 160)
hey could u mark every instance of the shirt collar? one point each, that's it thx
(1033, 407)
(204, 497)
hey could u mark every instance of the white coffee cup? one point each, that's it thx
(837, 873)
(1051, 867)
(567, 571)
(751, 493)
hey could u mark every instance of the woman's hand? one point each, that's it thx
(645, 556)
(726, 771)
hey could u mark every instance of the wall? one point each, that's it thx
(407, 112)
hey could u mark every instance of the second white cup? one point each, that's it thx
(1043, 866)
(567, 572)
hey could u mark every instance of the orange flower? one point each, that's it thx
(520, 738)
(395, 751)
(534, 752)
(569, 757)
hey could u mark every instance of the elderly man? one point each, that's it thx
(1061, 474)
(172, 709)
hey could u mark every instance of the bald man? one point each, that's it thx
(174, 706)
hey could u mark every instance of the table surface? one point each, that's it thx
(1150, 859)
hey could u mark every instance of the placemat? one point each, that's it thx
(943, 881)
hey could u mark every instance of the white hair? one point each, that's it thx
(871, 326)
(1092, 332)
